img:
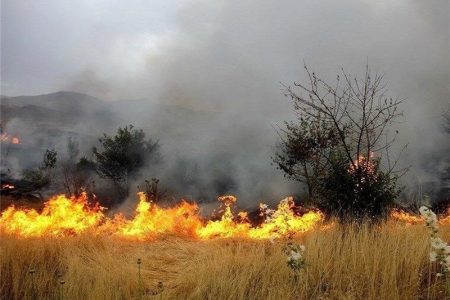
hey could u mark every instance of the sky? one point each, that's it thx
(127, 49)
(232, 57)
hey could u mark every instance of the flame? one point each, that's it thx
(8, 186)
(414, 219)
(226, 226)
(151, 220)
(63, 216)
(66, 216)
(445, 220)
(4, 137)
(367, 164)
(407, 218)
(283, 221)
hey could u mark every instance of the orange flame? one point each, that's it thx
(64, 216)
(445, 220)
(407, 218)
(61, 216)
(4, 137)
(414, 219)
(151, 220)
(365, 163)
(8, 186)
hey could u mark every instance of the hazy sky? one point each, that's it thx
(44, 43)
(53, 44)
(224, 55)
(230, 56)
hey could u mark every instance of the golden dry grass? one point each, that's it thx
(390, 262)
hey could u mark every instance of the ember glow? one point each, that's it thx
(8, 186)
(407, 218)
(6, 138)
(63, 216)
(445, 220)
(366, 164)
(414, 219)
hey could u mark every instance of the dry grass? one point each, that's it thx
(390, 262)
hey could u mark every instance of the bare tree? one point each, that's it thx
(153, 191)
(351, 116)
(77, 173)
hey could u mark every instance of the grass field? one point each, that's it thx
(387, 262)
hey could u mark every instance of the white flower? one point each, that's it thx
(440, 250)
(433, 256)
(432, 218)
(263, 206)
(294, 255)
(423, 210)
(437, 243)
(302, 248)
(447, 260)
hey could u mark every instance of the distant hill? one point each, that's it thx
(61, 109)
(60, 101)
(72, 111)
(49, 120)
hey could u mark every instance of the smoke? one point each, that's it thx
(209, 80)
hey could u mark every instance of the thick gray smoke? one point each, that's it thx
(210, 79)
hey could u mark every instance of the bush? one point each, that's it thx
(356, 193)
(41, 177)
(124, 154)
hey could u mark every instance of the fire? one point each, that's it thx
(367, 164)
(283, 221)
(414, 219)
(445, 220)
(226, 226)
(66, 216)
(151, 220)
(8, 186)
(407, 218)
(4, 137)
(63, 216)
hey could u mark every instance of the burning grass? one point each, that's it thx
(63, 216)
(73, 250)
(388, 262)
